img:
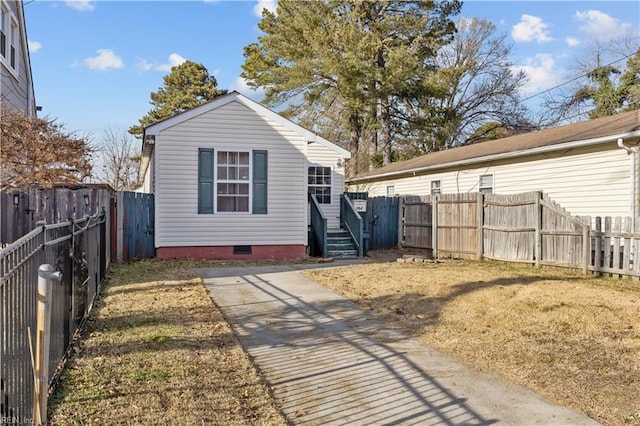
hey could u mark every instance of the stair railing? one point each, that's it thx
(318, 225)
(351, 220)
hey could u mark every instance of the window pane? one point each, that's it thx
(243, 189)
(222, 188)
(244, 173)
(225, 204)
(244, 158)
(486, 180)
(232, 173)
(222, 157)
(233, 158)
(222, 173)
(242, 204)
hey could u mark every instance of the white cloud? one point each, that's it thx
(106, 59)
(530, 28)
(572, 41)
(599, 25)
(81, 5)
(541, 72)
(174, 61)
(34, 46)
(270, 5)
(240, 85)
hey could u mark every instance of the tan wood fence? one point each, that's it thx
(527, 227)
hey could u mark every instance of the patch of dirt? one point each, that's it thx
(573, 339)
(157, 351)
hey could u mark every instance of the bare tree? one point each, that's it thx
(37, 151)
(605, 82)
(119, 159)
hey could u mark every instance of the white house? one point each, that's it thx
(16, 83)
(589, 168)
(231, 179)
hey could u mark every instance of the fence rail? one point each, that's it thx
(528, 228)
(77, 248)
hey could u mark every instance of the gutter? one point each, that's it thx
(493, 157)
(634, 185)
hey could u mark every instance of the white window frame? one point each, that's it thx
(217, 181)
(11, 29)
(4, 15)
(323, 185)
(436, 187)
(391, 191)
(486, 189)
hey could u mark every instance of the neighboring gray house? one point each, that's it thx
(231, 179)
(589, 168)
(16, 83)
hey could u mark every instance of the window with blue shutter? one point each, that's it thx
(205, 180)
(224, 181)
(259, 182)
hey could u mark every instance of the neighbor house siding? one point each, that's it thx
(16, 87)
(586, 181)
(321, 155)
(231, 127)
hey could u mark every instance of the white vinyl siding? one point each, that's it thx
(585, 181)
(320, 155)
(231, 127)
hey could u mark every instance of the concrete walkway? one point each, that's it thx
(329, 362)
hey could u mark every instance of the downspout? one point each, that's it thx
(634, 185)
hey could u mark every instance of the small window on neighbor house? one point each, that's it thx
(390, 191)
(320, 183)
(435, 187)
(485, 184)
(3, 31)
(13, 41)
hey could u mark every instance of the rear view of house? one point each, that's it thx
(231, 180)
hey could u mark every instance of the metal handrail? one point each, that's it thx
(318, 224)
(352, 222)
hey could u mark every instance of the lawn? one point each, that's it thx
(157, 351)
(573, 339)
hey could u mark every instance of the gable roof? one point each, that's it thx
(600, 130)
(260, 109)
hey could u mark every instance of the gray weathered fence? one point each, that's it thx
(527, 227)
(79, 250)
(21, 210)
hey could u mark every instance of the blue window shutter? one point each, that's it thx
(205, 181)
(259, 182)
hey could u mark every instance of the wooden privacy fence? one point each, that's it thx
(21, 210)
(527, 227)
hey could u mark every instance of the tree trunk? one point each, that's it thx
(385, 123)
(354, 143)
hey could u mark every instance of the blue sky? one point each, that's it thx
(96, 62)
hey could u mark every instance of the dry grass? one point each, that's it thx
(573, 339)
(157, 351)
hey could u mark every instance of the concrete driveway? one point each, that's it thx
(329, 362)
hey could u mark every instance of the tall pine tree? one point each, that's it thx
(185, 87)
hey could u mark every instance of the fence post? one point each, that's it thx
(480, 223)
(43, 340)
(538, 231)
(400, 222)
(434, 225)
(586, 249)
